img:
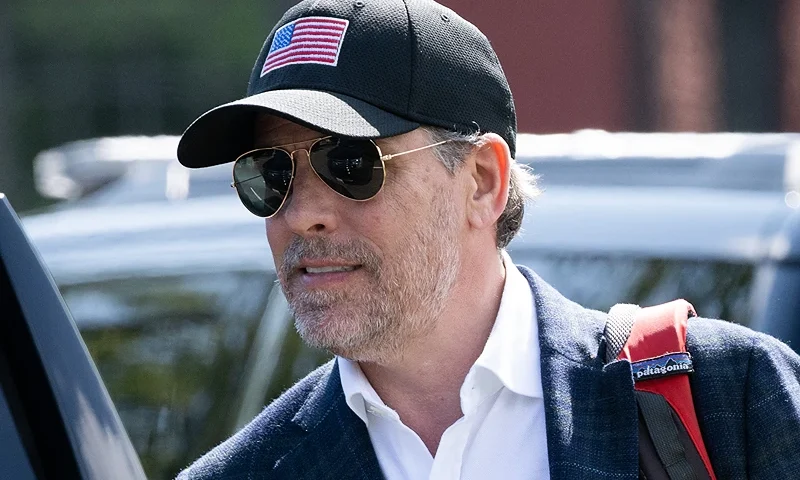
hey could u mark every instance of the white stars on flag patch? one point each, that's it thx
(306, 40)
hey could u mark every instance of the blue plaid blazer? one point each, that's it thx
(746, 388)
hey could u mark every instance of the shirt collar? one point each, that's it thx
(512, 351)
(358, 392)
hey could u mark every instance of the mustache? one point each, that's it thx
(353, 251)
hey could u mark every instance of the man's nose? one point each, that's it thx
(312, 206)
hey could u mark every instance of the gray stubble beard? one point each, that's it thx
(405, 303)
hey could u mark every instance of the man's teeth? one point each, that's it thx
(329, 269)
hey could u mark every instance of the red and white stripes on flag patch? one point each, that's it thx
(306, 40)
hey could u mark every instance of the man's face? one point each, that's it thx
(364, 279)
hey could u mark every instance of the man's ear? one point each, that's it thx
(490, 167)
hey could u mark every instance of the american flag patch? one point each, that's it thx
(306, 40)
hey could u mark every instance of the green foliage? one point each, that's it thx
(88, 68)
(212, 30)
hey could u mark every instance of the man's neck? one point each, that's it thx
(423, 384)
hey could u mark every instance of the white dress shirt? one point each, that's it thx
(502, 431)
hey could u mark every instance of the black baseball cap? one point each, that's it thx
(363, 69)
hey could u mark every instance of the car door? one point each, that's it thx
(56, 418)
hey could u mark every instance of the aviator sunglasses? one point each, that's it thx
(353, 168)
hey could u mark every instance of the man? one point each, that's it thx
(377, 139)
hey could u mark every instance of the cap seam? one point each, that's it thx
(374, 101)
(414, 117)
(414, 44)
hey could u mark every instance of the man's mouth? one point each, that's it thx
(313, 270)
(326, 276)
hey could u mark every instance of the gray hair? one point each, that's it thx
(522, 186)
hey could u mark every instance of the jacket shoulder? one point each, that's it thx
(746, 386)
(718, 340)
(726, 356)
(255, 449)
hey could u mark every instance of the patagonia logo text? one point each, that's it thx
(665, 365)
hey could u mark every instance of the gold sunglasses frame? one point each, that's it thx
(383, 158)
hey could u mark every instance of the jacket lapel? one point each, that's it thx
(336, 445)
(590, 409)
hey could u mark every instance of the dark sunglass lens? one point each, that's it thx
(351, 167)
(263, 179)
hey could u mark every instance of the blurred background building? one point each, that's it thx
(72, 70)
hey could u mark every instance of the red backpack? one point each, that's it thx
(653, 339)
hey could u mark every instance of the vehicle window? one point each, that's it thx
(172, 352)
(13, 458)
(716, 289)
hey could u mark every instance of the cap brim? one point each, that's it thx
(225, 132)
